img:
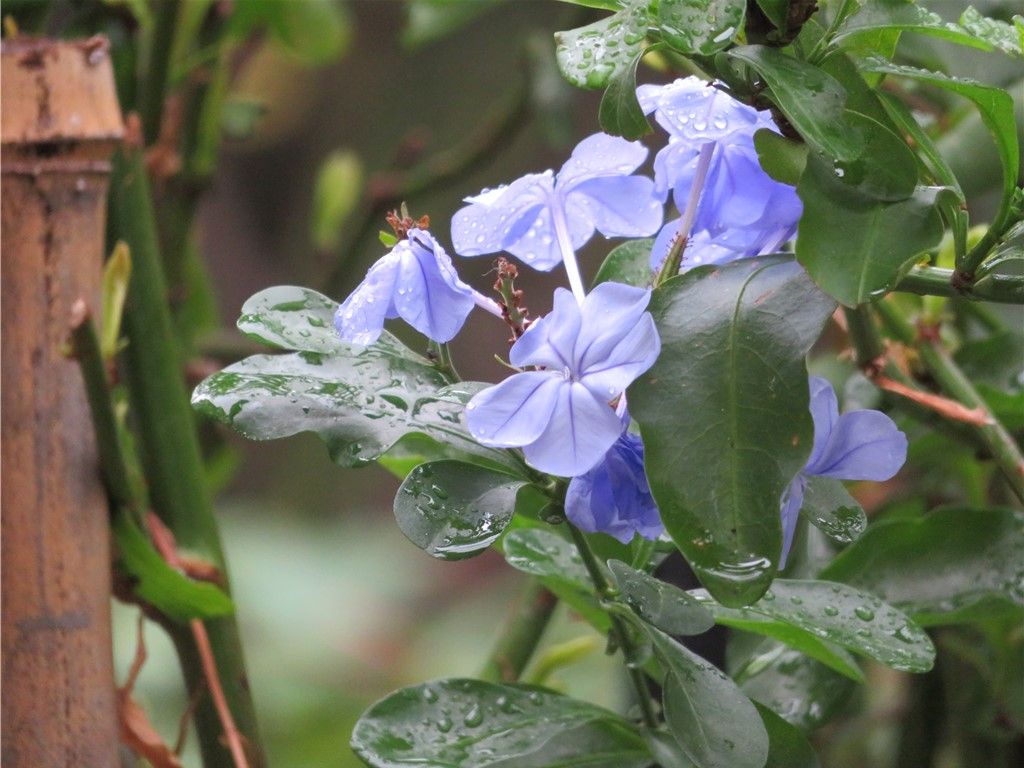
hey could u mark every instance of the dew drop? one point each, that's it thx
(864, 613)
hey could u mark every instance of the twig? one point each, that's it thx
(520, 634)
(163, 540)
(935, 281)
(943, 406)
(186, 716)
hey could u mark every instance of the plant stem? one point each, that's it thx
(170, 447)
(952, 380)
(441, 355)
(154, 90)
(520, 634)
(618, 632)
(672, 263)
(935, 281)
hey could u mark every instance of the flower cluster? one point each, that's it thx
(565, 407)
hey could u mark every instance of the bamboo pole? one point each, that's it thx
(60, 124)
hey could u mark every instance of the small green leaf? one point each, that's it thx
(848, 617)
(857, 247)
(949, 567)
(240, 117)
(668, 608)
(788, 747)
(781, 158)
(702, 27)
(116, 273)
(715, 724)
(387, 239)
(830, 507)
(433, 20)
(620, 113)
(811, 100)
(289, 317)
(166, 589)
(453, 510)
(777, 12)
(629, 263)
(543, 553)
(590, 56)
(475, 724)
(804, 692)
(733, 339)
(313, 32)
(998, 34)
(339, 185)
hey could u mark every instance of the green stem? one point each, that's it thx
(170, 447)
(935, 281)
(955, 384)
(620, 636)
(1004, 218)
(441, 355)
(154, 90)
(520, 634)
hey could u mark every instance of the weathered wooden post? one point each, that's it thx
(60, 124)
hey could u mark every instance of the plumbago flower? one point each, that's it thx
(730, 207)
(587, 354)
(614, 497)
(543, 218)
(415, 281)
(859, 445)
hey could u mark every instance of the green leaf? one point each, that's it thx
(590, 56)
(777, 12)
(629, 263)
(294, 318)
(994, 105)
(702, 27)
(733, 341)
(857, 247)
(620, 113)
(787, 745)
(804, 692)
(998, 34)
(157, 583)
(887, 170)
(715, 724)
(810, 99)
(453, 510)
(339, 185)
(830, 507)
(546, 554)
(475, 724)
(433, 20)
(116, 273)
(781, 158)
(950, 567)
(667, 607)
(314, 32)
(848, 617)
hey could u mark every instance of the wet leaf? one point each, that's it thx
(590, 56)
(667, 607)
(475, 724)
(788, 747)
(702, 27)
(453, 510)
(830, 507)
(620, 113)
(629, 263)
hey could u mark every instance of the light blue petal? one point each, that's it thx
(789, 509)
(360, 318)
(580, 431)
(696, 111)
(516, 411)
(536, 245)
(430, 296)
(676, 160)
(497, 218)
(549, 341)
(824, 407)
(600, 155)
(618, 206)
(634, 353)
(864, 445)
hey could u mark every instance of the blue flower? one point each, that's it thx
(415, 281)
(542, 218)
(740, 210)
(587, 353)
(614, 497)
(859, 445)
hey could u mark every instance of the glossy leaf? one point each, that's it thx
(290, 317)
(475, 724)
(158, 584)
(1000, 35)
(802, 691)
(665, 606)
(994, 104)
(950, 567)
(702, 27)
(590, 56)
(856, 247)
(453, 510)
(781, 158)
(810, 99)
(715, 724)
(830, 507)
(848, 617)
(723, 414)
(620, 113)
(777, 12)
(788, 747)
(546, 554)
(629, 263)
